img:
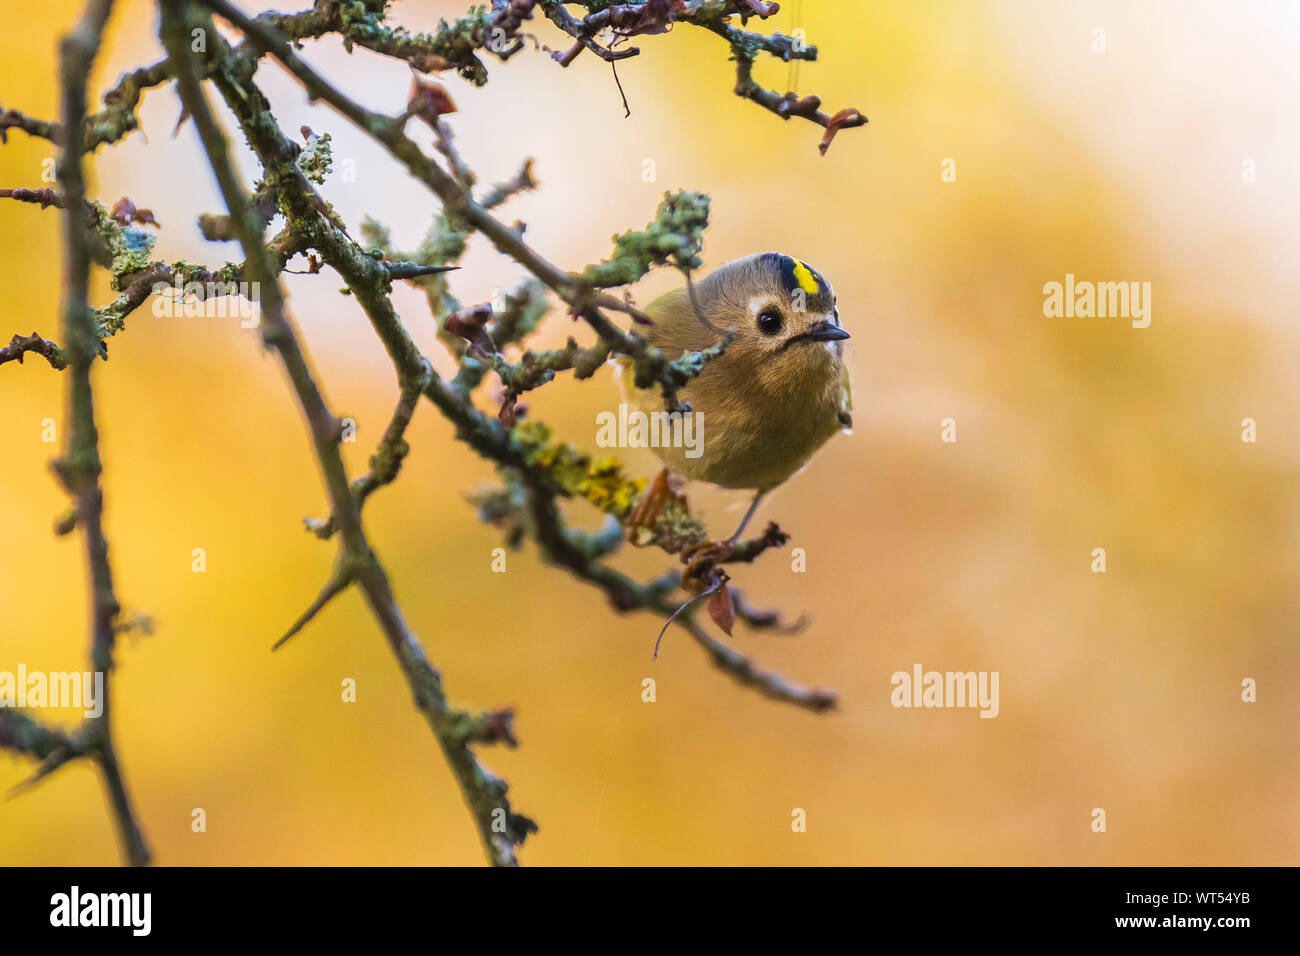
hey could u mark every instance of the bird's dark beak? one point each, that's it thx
(826, 331)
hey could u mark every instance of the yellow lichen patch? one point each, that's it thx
(600, 481)
(608, 489)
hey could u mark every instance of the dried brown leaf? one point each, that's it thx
(429, 100)
(844, 119)
(508, 415)
(722, 610)
(471, 325)
(430, 63)
(124, 212)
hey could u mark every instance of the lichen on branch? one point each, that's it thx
(675, 236)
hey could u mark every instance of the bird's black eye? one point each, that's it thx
(769, 322)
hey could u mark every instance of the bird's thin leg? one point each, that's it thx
(704, 557)
(753, 506)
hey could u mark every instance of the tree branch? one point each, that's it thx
(20, 345)
(500, 828)
(79, 467)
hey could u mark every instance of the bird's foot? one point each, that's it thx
(700, 558)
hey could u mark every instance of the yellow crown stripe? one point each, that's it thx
(804, 276)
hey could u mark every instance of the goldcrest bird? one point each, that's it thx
(777, 393)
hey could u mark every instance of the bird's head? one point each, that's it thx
(784, 312)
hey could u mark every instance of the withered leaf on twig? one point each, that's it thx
(721, 609)
(844, 119)
(470, 324)
(429, 100)
(430, 63)
(124, 213)
(510, 411)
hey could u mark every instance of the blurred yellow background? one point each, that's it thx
(1118, 690)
